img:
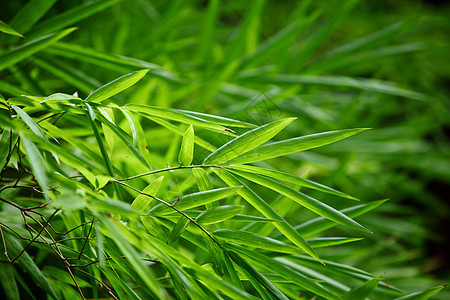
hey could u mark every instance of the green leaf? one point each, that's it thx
(217, 119)
(30, 13)
(263, 207)
(37, 164)
(281, 269)
(30, 122)
(17, 54)
(178, 116)
(255, 241)
(424, 295)
(8, 29)
(116, 86)
(218, 214)
(142, 202)
(320, 224)
(302, 143)
(178, 230)
(124, 137)
(293, 179)
(187, 147)
(310, 203)
(363, 291)
(249, 270)
(71, 16)
(196, 199)
(28, 264)
(145, 274)
(8, 282)
(330, 241)
(246, 142)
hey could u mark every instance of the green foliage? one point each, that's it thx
(106, 189)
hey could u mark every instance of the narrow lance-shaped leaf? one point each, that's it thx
(30, 122)
(249, 270)
(255, 241)
(292, 179)
(187, 147)
(178, 229)
(246, 142)
(178, 116)
(24, 51)
(330, 241)
(8, 282)
(281, 269)
(218, 214)
(196, 199)
(310, 203)
(30, 13)
(262, 206)
(8, 29)
(363, 291)
(37, 164)
(142, 202)
(320, 224)
(302, 143)
(424, 295)
(116, 86)
(28, 264)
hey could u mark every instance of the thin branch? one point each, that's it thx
(168, 170)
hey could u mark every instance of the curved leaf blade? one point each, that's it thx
(187, 147)
(297, 144)
(246, 142)
(116, 86)
(310, 203)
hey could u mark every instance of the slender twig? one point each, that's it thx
(87, 238)
(34, 238)
(101, 283)
(168, 170)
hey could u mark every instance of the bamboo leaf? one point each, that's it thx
(290, 274)
(37, 164)
(116, 86)
(28, 264)
(71, 16)
(178, 230)
(218, 214)
(320, 224)
(363, 291)
(424, 295)
(142, 202)
(196, 199)
(246, 142)
(255, 241)
(330, 241)
(30, 122)
(30, 13)
(8, 29)
(175, 115)
(293, 179)
(262, 206)
(249, 270)
(310, 203)
(302, 143)
(187, 147)
(17, 54)
(8, 282)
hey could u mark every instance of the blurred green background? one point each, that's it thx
(332, 64)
